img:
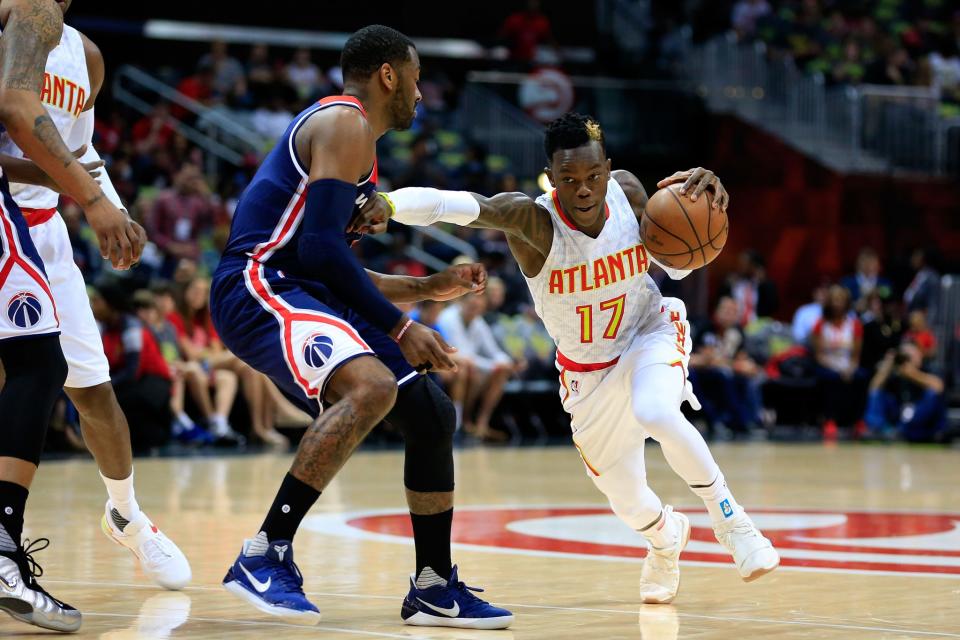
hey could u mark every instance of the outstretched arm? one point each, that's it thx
(452, 282)
(527, 225)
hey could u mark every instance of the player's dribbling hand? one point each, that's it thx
(457, 280)
(425, 350)
(121, 239)
(695, 182)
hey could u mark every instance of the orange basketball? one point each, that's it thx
(681, 233)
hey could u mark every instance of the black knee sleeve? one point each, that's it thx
(35, 373)
(426, 418)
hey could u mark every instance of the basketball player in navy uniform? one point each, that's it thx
(291, 300)
(29, 324)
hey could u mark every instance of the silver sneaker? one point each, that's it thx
(24, 599)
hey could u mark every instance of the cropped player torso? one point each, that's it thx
(64, 94)
(267, 221)
(594, 294)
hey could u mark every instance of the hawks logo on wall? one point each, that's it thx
(915, 543)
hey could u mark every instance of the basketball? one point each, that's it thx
(681, 233)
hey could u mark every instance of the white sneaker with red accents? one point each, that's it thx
(159, 557)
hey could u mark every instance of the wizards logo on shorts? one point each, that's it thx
(24, 310)
(317, 350)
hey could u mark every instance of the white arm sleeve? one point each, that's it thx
(675, 274)
(82, 134)
(422, 206)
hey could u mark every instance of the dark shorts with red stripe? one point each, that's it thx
(294, 330)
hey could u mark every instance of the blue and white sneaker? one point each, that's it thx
(265, 576)
(449, 603)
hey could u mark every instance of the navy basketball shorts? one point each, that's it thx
(295, 331)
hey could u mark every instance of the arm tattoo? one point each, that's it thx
(45, 131)
(33, 30)
(517, 215)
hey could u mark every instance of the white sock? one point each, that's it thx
(219, 425)
(663, 534)
(121, 496)
(718, 499)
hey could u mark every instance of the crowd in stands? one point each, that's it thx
(893, 42)
(860, 355)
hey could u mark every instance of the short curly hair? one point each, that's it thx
(369, 48)
(571, 130)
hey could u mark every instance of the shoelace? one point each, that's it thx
(34, 570)
(661, 563)
(743, 526)
(464, 589)
(155, 552)
(30, 548)
(289, 577)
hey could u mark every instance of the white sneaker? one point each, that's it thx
(753, 554)
(159, 557)
(660, 577)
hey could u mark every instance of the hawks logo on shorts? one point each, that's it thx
(317, 350)
(24, 310)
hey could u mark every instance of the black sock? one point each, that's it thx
(431, 536)
(293, 501)
(13, 501)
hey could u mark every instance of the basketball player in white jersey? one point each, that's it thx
(622, 348)
(73, 78)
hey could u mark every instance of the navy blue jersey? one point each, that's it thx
(266, 224)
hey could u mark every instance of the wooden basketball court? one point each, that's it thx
(870, 539)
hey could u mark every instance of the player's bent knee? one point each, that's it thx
(366, 381)
(91, 399)
(426, 417)
(656, 415)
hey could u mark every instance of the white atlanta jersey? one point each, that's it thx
(596, 299)
(594, 294)
(64, 94)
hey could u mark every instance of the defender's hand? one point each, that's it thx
(457, 280)
(373, 217)
(425, 350)
(695, 182)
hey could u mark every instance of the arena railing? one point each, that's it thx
(851, 128)
(222, 137)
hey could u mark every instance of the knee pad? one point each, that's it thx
(35, 371)
(427, 419)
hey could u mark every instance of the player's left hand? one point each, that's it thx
(456, 281)
(695, 182)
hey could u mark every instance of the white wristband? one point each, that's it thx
(422, 206)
